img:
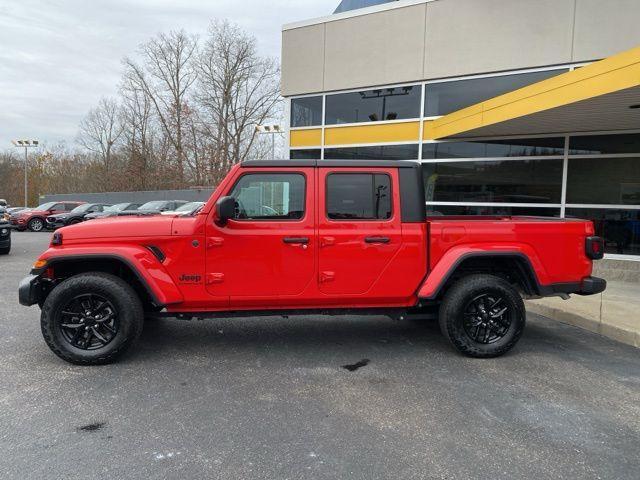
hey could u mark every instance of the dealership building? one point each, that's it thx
(523, 107)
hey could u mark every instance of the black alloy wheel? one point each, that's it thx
(482, 315)
(91, 318)
(88, 322)
(487, 318)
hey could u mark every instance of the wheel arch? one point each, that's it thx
(37, 217)
(154, 286)
(513, 266)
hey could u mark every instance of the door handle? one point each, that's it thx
(296, 240)
(377, 240)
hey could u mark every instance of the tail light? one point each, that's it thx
(56, 240)
(594, 248)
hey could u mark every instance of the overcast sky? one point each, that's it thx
(58, 57)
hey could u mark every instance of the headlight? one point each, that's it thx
(3, 231)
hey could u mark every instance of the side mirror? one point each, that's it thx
(225, 210)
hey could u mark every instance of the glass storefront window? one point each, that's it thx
(619, 228)
(311, 154)
(603, 144)
(529, 147)
(306, 112)
(395, 103)
(447, 97)
(384, 152)
(438, 210)
(508, 181)
(604, 181)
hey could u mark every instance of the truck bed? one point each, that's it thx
(553, 246)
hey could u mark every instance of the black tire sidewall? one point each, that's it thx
(457, 299)
(122, 297)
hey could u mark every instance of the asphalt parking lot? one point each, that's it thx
(270, 399)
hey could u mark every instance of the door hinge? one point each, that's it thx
(215, 278)
(327, 277)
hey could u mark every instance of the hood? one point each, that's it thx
(119, 227)
(60, 216)
(26, 213)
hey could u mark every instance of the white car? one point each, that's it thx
(186, 209)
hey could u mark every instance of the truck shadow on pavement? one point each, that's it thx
(360, 338)
(293, 335)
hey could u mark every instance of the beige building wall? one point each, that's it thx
(605, 27)
(415, 41)
(470, 36)
(353, 43)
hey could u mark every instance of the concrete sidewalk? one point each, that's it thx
(615, 313)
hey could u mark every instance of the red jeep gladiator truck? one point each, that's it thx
(307, 237)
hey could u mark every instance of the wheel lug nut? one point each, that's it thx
(95, 326)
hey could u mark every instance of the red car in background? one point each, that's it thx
(34, 219)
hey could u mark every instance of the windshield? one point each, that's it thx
(45, 206)
(189, 207)
(82, 208)
(152, 205)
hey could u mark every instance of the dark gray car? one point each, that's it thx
(156, 207)
(113, 210)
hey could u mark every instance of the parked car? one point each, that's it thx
(11, 210)
(112, 211)
(154, 208)
(186, 209)
(5, 237)
(35, 219)
(76, 215)
(307, 237)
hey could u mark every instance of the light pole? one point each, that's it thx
(26, 144)
(272, 130)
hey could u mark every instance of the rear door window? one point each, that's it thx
(358, 196)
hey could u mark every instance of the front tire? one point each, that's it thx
(483, 316)
(36, 225)
(91, 319)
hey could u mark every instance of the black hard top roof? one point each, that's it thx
(331, 163)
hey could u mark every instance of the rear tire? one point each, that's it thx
(483, 316)
(91, 319)
(36, 225)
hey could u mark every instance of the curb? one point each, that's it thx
(628, 337)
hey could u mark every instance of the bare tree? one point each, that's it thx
(138, 132)
(237, 90)
(166, 75)
(101, 129)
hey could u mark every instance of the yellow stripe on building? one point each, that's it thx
(381, 133)
(306, 138)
